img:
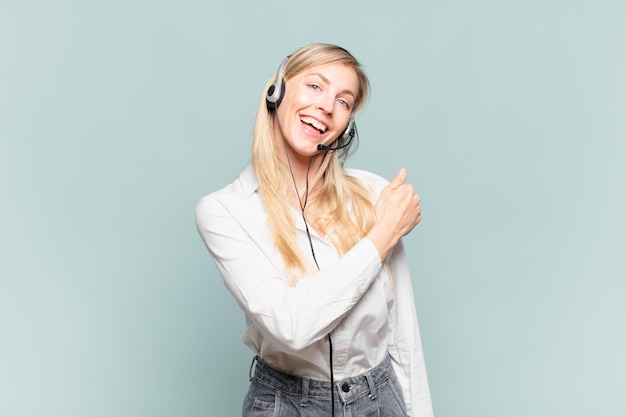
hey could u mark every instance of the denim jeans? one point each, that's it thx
(273, 393)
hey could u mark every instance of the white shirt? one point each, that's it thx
(367, 306)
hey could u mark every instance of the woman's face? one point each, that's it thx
(316, 108)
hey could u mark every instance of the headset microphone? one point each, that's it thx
(347, 137)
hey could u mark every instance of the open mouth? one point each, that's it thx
(314, 123)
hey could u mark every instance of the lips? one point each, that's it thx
(314, 123)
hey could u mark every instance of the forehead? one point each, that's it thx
(337, 74)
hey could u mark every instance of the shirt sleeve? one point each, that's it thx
(291, 317)
(405, 346)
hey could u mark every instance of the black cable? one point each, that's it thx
(308, 234)
(306, 200)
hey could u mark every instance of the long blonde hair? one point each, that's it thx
(344, 207)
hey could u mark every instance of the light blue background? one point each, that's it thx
(117, 116)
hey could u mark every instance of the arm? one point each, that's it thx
(405, 346)
(290, 317)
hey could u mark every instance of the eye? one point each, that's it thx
(344, 103)
(314, 87)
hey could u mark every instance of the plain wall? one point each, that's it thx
(116, 117)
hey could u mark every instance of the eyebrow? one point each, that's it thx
(327, 81)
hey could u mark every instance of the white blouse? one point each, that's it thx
(367, 306)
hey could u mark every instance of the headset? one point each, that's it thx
(276, 93)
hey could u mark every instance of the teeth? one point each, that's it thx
(316, 124)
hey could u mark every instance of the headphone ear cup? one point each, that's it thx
(276, 91)
(350, 131)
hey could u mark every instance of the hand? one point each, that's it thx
(397, 212)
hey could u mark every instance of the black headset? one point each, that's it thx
(274, 97)
(276, 91)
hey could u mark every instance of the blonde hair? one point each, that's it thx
(344, 207)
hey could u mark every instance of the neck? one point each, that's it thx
(303, 171)
(304, 175)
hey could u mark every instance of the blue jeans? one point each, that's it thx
(273, 393)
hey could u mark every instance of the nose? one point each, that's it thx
(326, 103)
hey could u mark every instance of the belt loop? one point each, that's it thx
(305, 392)
(252, 366)
(370, 382)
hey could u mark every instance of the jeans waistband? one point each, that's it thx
(348, 388)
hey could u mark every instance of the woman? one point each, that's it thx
(312, 254)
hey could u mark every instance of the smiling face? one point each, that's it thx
(316, 108)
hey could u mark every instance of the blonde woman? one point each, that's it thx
(312, 253)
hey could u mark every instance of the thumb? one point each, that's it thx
(398, 180)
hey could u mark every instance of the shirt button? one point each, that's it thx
(345, 387)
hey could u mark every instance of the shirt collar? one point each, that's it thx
(250, 185)
(249, 181)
